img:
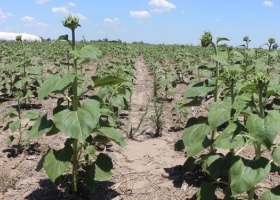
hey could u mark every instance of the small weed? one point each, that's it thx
(6, 181)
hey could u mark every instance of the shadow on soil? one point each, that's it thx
(193, 178)
(49, 191)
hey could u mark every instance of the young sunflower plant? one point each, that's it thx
(79, 117)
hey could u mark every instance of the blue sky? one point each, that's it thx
(152, 21)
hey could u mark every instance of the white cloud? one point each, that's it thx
(60, 10)
(4, 16)
(140, 14)
(115, 23)
(28, 18)
(65, 11)
(42, 24)
(42, 1)
(71, 4)
(182, 11)
(267, 3)
(111, 21)
(31, 21)
(218, 20)
(161, 6)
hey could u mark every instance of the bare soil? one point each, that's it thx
(146, 168)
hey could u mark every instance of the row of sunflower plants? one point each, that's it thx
(85, 113)
(240, 101)
(20, 79)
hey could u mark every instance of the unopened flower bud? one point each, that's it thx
(246, 39)
(18, 38)
(71, 21)
(206, 39)
(271, 40)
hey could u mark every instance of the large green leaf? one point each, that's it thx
(195, 138)
(245, 174)
(112, 134)
(56, 162)
(197, 91)
(219, 113)
(93, 108)
(109, 80)
(103, 167)
(88, 51)
(189, 164)
(264, 130)
(231, 137)
(276, 154)
(219, 59)
(54, 83)
(76, 124)
(214, 165)
(206, 191)
(272, 194)
(41, 126)
(30, 114)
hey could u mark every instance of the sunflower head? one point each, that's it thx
(206, 39)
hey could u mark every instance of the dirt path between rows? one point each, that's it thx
(147, 167)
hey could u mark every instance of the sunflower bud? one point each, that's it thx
(271, 40)
(206, 39)
(231, 77)
(18, 38)
(71, 21)
(261, 79)
(246, 39)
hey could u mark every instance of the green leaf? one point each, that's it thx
(54, 83)
(112, 134)
(214, 165)
(10, 139)
(76, 124)
(10, 112)
(88, 51)
(30, 114)
(219, 39)
(206, 191)
(93, 108)
(195, 102)
(195, 138)
(219, 59)
(276, 154)
(189, 165)
(90, 150)
(197, 91)
(63, 37)
(179, 145)
(41, 126)
(56, 162)
(219, 113)
(118, 101)
(249, 88)
(103, 167)
(245, 174)
(272, 194)
(264, 130)
(231, 137)
(101, 139)
(110, 80)
(15, 125)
